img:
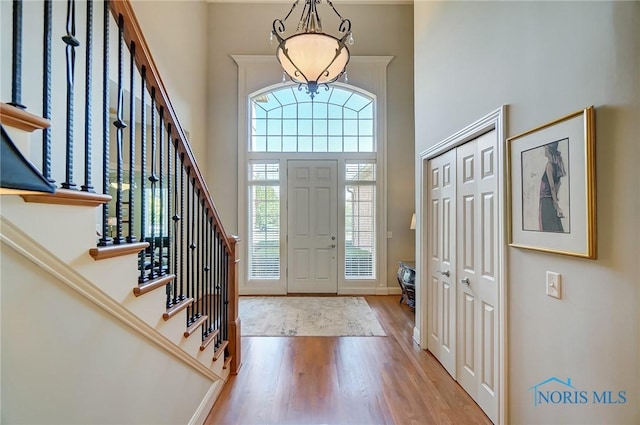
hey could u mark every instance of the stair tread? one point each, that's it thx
(110, 251)
(177, 308)
(150, 285)
(195, 325)
(69, 197)
(220, 350)
(208, 339)
(227, 362)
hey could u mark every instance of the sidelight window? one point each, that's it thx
(264, 221)
(360, 220)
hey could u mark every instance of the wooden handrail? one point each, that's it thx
(133, 33)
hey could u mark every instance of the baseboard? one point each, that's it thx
(416, 336)
(207, 403)
(382, 290)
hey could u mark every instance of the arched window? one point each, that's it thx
(288, 120)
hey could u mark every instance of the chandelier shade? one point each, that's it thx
(310, 57)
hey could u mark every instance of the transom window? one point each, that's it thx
(335, 120)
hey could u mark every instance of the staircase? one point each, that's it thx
(119, 300)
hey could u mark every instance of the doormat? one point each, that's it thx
(308, 316)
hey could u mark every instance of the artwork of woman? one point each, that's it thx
(550, 212)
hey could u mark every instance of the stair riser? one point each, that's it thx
(67, 231)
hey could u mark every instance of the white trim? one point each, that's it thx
(251, 82)
(203, 410)
(416, 335)
(24, 245)
(494, 120)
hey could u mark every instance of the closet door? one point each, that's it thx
(441, 251)
(477, 262)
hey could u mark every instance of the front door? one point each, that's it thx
(312, 226)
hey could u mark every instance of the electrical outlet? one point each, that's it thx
(554, 284)
(389, 235)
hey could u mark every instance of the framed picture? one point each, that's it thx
(551, 178)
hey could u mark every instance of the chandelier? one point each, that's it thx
(310, 57)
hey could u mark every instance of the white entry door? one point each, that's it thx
(312, 229)
(441, 184)
(463, 262)
(477, 265)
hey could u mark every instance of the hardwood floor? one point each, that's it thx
(345, 380)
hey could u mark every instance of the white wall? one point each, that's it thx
(66, 362)
(545, 60)
(243, 29)
(176, 32)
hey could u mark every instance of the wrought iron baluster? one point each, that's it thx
(143, 167)
(153, 179)
(203, 266)
(214, 278)
(188, 247)
(132, 142)
(208, 272)
(192, 246)
(170, 243)
(105, 239)
(161, 194)
(46, 90)
(157, 205)
(175, 218)
(182, 275)
(16, 56)
(88, 116)
(120, 125)
(198, 269)
(71, 42)
(201, 250)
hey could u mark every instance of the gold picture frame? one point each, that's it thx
(551, 186)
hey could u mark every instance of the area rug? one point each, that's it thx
(308, 316)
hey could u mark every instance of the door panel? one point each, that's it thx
(462, 221)
(468, 333)
(477, 289)
(312, 216)
(441, 252)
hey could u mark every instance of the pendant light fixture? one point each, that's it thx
(310, 57)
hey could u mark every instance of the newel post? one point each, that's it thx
(235, 348)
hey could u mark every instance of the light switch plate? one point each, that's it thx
(554, 284)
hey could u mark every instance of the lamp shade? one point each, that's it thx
(310, 57)
(313, 58)
(412, 226)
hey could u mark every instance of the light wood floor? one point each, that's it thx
(345, 380)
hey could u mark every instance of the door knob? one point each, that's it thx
(445, 273)
(465, 281)
(333, 238)
(332, 245)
